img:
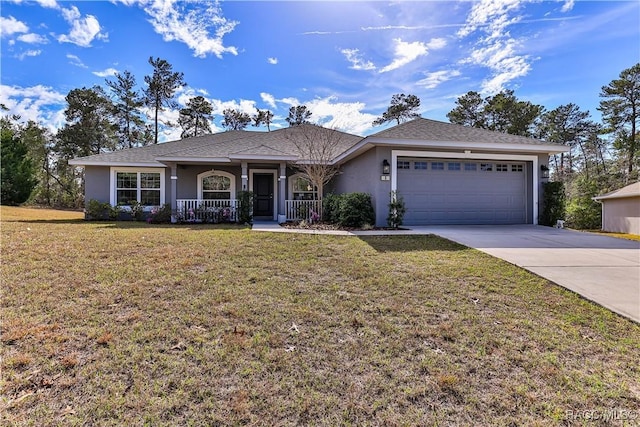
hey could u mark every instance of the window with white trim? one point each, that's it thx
(516, 168)
(141, 186)
(501, 167)
(437, 166)
(403, 164)
(420, 165)
(471, 167)
(300, 188)
(486, 167)
(216, 185)
(454, 166)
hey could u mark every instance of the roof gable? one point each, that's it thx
(632, 190)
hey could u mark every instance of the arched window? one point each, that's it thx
(300, 188)
(216, 185)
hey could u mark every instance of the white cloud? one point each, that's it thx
(38, 103)
(202, 27)
(567, 6)
(76, 61)
(405, 53)
(51, 4)
(268, 99)
(433, 80)
(272, 61)
(346, 116)
(357, 63)
(33, 38)
(437, 43)
(29, 53)
(498, 51)
(106, 73)
(83, 30)
(10, 26)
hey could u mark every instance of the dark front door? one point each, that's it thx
(263, 193)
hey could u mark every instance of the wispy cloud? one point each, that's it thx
(405, 53)
(33, 38)
(272, 61)
(497, 50)
(356, 60)
(435, 79)
(200, 25)
(39, 103)
(83, 29)
(10, 26)
(27, 53)
(74, 60)
(106, 73)
(268, 99)
(567, 6)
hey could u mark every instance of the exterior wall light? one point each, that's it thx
(544, 171)
(386, 167)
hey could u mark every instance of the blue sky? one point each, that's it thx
(344, 60)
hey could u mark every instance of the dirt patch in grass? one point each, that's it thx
(113, 324)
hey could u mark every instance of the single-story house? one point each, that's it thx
(621, 210)
(446, 173)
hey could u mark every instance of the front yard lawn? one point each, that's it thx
(135, 324)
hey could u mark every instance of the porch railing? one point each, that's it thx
(297, 210)
(201, 210)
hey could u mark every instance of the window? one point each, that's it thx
(486, 167)
(420, 165)
(403, 164)
(301, 188)
(470, 166)
(437, 166)
(143, 186)
(216, 185)
(502, 167)
(516, 168)
(453, 166)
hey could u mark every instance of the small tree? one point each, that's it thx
(235, 119)
(263, 117)
(194, 118)
(126, 110)
(18, 173)
(316, 146)
(397, 210)
(298, 115)
(403, 107)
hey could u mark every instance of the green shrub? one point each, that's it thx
(245, 207)
(355, 210)
(584, 214)
(97, 210)
(330, 207)
(160, 215)
(397, 210)
(554, 203)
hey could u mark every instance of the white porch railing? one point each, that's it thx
(200, 210)
(297, 210)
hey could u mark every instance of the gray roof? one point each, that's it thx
(432, 130)
(632, 190)
(280, 143)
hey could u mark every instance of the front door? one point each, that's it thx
(263, 195)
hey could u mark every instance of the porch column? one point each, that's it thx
(245, 176)
(282, 192)
(174, 190)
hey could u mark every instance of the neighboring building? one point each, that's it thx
(621, 210)
(446, 173)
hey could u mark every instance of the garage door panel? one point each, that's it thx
(462, 196)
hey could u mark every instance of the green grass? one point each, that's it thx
(134, 324)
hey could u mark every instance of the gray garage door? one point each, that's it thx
(443, 191)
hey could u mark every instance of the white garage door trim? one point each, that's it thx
(469, 155)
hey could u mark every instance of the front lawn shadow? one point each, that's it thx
(429, 242)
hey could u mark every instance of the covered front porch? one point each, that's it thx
(212, 193)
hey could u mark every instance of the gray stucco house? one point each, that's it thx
(446, 173)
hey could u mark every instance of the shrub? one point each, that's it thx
(97, 210)
(396, 210)
(330, 207)
(554, 202)
(159, 215)
(245, 207)
(582, 211)
(355, 210)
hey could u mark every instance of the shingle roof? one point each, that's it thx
(432, 130)
(632, 190)
(278, 143)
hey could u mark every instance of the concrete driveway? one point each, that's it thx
(603, 269)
